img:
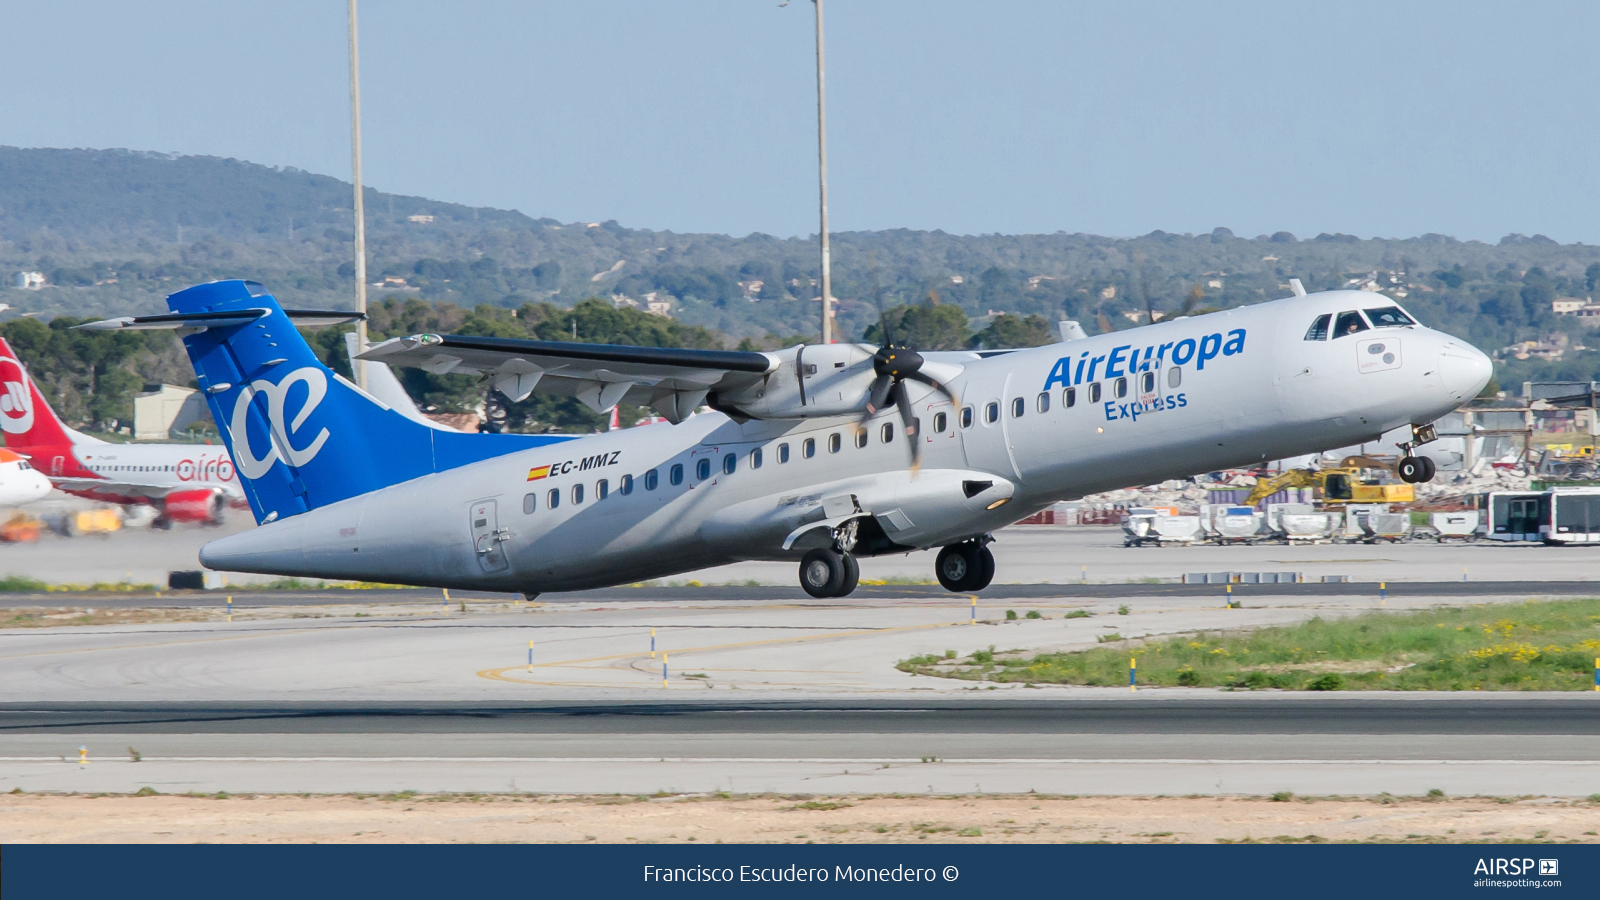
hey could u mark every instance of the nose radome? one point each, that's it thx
(1464, 369)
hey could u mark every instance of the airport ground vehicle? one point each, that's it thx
(817, 453)
(1561, 515)
(1347, 482)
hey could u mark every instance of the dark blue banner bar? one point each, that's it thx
(1115, 871)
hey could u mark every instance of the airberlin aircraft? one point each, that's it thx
(818, 453)
(185, 482)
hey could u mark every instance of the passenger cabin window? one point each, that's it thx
(940, 420)
(888, 433)
(966, 417)
(577, 494)
(1069, 397)
(1018, 407)
(602, 489)
(1348, 323)
(861, 437)
(554, 499)
(783, 453)
(729, 463)
(991, 413)
(809, 448)
(1094, 392)
(1319, 328)
(834, 443)
(625, 485)
(755, 458)
(1121, 385)
(1147, 382)
(530, 502)
(1174, 376)
(1044, 402)
(675, 474)
(702, 469)
(1389, 317)
(651, 479)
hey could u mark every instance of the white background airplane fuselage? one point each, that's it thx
(1273, 394)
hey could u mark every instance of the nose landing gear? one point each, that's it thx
(967, 566)
(1416, 469)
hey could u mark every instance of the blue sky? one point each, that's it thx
(1377, 119)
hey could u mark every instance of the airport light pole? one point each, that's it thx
(822, 182)
(360, 209)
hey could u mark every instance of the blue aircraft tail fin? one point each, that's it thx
(302, 436)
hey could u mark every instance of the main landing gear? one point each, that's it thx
(967, 566)
(826, 572)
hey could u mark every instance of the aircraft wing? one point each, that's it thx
(674, 381)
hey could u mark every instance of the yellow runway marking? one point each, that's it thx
(498, 674)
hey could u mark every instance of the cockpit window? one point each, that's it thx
(1319, 329)
(1389, 317)
(1348, 323)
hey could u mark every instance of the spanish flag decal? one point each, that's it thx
(539, 472)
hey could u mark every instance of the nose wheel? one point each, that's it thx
(1415, 469)
(827, 572)
(964, 567)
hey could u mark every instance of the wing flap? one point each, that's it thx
(674, 380)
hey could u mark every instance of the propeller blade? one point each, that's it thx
(878, 396)
(908, 418)
(932, 382)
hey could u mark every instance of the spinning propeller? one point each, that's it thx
(893, 365)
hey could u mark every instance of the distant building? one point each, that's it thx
(29, 281)
(656, 306)
(164, 408)
(752, 288)
(420, 220)
(1109, 292)
(1569, 306)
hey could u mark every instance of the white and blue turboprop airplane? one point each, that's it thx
(803, 458)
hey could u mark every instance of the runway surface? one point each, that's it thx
(1547, 745)
(343, 693)
(247, 598)
(1025, 555)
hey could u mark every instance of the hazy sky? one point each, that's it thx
(1389, 119)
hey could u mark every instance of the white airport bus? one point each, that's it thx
(1567, 515)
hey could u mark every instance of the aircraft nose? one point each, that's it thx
(1464, 369)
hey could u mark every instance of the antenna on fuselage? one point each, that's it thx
(1298, 288)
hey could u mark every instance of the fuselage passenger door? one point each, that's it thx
(487, 536)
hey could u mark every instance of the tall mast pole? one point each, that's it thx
(360, 209)
(822, 181)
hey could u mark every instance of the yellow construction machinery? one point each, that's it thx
(1344, 483)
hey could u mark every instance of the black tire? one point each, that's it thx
(822, 572)
(1410, 470)
(956, 566)
(852, 576)
(985, 570)
(1429, 468)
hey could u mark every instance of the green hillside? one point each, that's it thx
(114, 231)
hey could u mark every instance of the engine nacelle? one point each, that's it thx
(202, 505)
(832, 380)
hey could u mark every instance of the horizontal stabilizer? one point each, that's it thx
(301, 318)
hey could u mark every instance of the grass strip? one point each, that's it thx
(1530, 646)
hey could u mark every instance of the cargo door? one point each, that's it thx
(488, 538)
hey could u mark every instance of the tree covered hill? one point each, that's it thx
(114, 231)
